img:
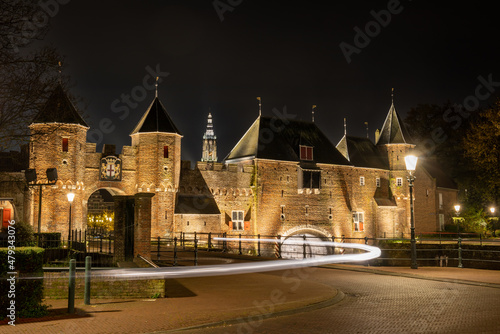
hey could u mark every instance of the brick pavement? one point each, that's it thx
(370, 299)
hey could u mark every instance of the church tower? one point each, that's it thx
(157, 145)
(58, 140)
(209, 142)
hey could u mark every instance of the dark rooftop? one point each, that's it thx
(270, 138)
(156, 119)
(59, 109)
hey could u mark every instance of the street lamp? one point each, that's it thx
(493, 225)
(457, 211)
(411, 165)
(71, 197)
(30, 175)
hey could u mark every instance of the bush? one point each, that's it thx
(28, 292)
(24, 234)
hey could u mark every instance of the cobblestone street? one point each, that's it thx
(387, 304)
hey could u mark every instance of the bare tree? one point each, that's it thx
(28, 73)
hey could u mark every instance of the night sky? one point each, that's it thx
(288, 53)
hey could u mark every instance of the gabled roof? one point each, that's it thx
(59, 109)
(269, 138)
(361, 152)
(156, 119)
(393, 131)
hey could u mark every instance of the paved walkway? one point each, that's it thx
(196, 302)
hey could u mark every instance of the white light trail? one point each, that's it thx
(243, 268)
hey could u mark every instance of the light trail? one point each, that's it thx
(243, 268)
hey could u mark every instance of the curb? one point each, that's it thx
(416, 276)
(326, 303)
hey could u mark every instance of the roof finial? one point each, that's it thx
(392, 95)
(60, 73)
(345, 126)
(156, 87)
(260, 106)
(314, 107)
(367, 134)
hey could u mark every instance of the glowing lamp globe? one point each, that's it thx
(71, 197)
(411, 162)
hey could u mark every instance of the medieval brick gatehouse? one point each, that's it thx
(284, 177)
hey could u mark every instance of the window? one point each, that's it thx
(377, 182)
(166, 214)
(361, 180)
(307, 210)
(358, 219)
(238, 223)
(306, 152)
(65, 144)
(441, 222)
(310, 179)
(440, 200)
(399, 182)
(165, 152)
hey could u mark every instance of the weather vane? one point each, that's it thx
(260, 106)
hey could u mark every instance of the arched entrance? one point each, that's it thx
(293, 246)
(7, 211)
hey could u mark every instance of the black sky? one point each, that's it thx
(286, 52)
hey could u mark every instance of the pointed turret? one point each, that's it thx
(156, 119)
(59, 109)
(393, 131)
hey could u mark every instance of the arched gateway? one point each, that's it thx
(292, 249)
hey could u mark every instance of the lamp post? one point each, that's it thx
(411, 164)
(71, 197)
(492, 210)
(457, 211)
(30, 175)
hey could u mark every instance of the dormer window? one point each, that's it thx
(306, 153)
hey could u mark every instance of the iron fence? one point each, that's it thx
(438, 249)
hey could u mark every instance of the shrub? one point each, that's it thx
(28, 292)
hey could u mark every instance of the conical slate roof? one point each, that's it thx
(59, 109)
(156, 119)
(393, 131)
(270, 139)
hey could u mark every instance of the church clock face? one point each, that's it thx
(111, 169)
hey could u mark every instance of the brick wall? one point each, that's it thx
(56, 287)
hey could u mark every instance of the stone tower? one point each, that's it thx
(57, 140)
(394, 142)
(156, 142)
(209, 153)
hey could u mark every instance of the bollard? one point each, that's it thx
(209, 240)
(88, 266)
(195, 252)
(258, 245)
(71, 287)
(460, 253)
(366, 240)
(333, 247)
(239, 245)
(175, 251)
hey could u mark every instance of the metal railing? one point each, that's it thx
(437, 250)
